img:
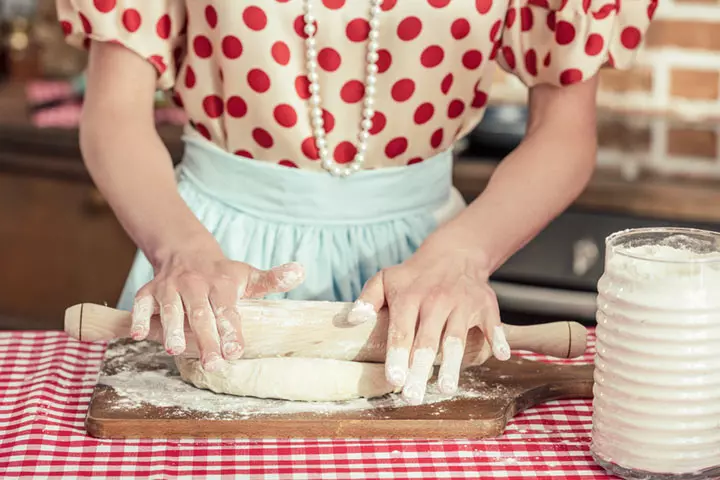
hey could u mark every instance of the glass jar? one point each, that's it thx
(656, 407)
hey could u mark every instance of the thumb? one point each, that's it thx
(278, 279)
(370, 301)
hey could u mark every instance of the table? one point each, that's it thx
(47, 378)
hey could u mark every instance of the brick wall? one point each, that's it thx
(667, 107)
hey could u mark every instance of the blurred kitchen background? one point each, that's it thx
(658, 164)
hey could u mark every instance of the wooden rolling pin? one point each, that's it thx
(288, 328)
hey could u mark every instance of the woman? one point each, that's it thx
(318, 149)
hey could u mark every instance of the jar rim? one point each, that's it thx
(630, 232)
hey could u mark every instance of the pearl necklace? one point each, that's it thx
(316, 112)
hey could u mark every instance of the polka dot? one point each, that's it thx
(255, 18)
(509, 57)
(483, 6)
(158, 62)
(526, 19)
(610, 60)
(570, 76)
(396, 147)
(564, 33)
(211, 16)
(236, 107)
(353, 91)
(213, 106)
(460, 28)
(177, 99)
(258, 80)
(281, 53)
(551, 21)
(586, 5)
(378, 123)
(472, 59)
(495, 30)
(446, 83)
(510, 17)
(309, 149)
(243, 153)
(494, 51)
(202, 46)
(67, 27)
(87, 26)
(605, 11)
(299, 26)
(358, 30)
(344, 152)
(104, 6)
(334, 4)
(424, 113)
(287, 163)
(480, 99)
(164, 27)
(329, 59)
(190, 78)
(388, 5)
(131, 20)
(409, 28)
(415, 160)
(436, 138)
(202, 130)
(546, 61)
(432, 56)
(328, 121)
(403, 89)
(531, 62)
(285, 115)
(455, 108)
(232, 48)
(384, 60)
(630, 37)
(651, 10)
(262, 137)
(594, 44)
(439, 3)
(302, 87)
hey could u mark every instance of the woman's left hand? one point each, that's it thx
(437, 294)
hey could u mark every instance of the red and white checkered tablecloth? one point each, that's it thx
(47, 378)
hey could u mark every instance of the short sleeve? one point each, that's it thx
(153, 29)
(561, 42)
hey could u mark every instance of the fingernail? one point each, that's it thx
(175, 344)
(452, 355)
(448, 384)
(422, 364)
(396, 366)
(231, 349)
(138, 332)
(361, 312)
(225, 327)
(501, 349)
(290, 276)
(212, 362)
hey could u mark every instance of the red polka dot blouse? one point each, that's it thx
(238, 67)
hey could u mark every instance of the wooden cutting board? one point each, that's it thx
(140, 395)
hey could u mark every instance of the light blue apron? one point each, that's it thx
(343, 230)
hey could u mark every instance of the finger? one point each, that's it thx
(142, 311)
(403, 316)
(276, 280)
(453, 349)
(172, 318)
(202, 323)
(370, 301)
(493, 330)
(433, 317)
(223, 299)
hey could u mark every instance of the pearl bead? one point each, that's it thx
(372, 57)
(327, 163)
(368, 113)
(366, 124)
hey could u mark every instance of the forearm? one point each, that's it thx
(532, 185)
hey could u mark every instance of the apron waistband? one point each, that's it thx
(293, 195)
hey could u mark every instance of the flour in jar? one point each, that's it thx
(657, 376)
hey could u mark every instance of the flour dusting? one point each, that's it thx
(142, 374)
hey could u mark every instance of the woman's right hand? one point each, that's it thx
(204, 286)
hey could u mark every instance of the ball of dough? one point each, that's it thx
(290, 378)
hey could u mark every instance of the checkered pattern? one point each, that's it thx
(68, 115)
(47, 378)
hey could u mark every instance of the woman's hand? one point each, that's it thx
(437, 294)
(205, 286)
